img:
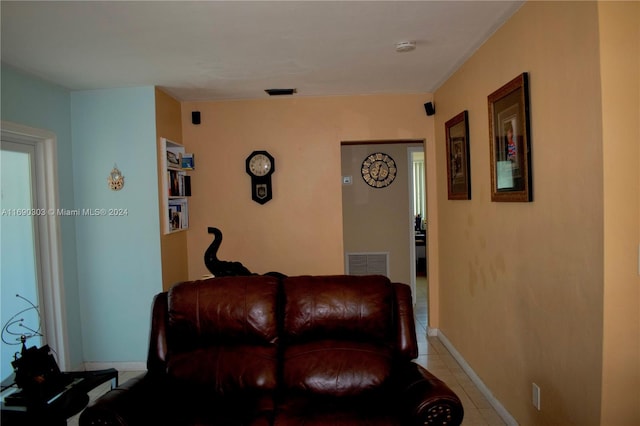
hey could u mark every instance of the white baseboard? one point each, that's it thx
(502, 412)
(120, 366)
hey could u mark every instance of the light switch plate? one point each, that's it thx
(535, 391)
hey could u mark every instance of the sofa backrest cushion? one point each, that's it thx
(338, 334)
(343, 307)
(226, 324)
(227, 309)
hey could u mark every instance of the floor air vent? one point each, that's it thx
(368, 264)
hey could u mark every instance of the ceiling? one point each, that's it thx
(212, 50)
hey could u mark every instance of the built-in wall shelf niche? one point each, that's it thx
(176, 186)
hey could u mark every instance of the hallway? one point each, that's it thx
(435, 357)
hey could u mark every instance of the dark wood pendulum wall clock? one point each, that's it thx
(260, 166)
(379, 170)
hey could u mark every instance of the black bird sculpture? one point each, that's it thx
(221, 268)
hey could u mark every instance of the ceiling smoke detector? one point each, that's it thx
(405, 46)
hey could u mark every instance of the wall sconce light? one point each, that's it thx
(115, 179)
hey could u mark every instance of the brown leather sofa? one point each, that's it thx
(258, 350)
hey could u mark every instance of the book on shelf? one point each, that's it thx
(187, 185)
(188, 161)
(179, 184)
(174, 219)
(178, 215)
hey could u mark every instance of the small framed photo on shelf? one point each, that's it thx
(173, 159)
(510, 144)
(458, 165)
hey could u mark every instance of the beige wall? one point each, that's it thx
(522, 283)
(378, 219)
(173, 247)
(300, 230)
(620, 67)
(543, 292)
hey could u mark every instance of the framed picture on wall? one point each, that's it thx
(510, 144)
(458, 167)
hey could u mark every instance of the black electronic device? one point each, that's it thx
(429, 108)
(195, 117)
(37, 375)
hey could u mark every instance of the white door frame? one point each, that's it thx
(412, 239)
(50, 261)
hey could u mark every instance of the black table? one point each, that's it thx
(69, 402)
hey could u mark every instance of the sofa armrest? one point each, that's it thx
(128, 404)
(427, 399)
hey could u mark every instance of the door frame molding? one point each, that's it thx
(49, 235)
(412, 241)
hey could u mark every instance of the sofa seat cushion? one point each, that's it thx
(297, 410)
(336, 368)
(190, 407)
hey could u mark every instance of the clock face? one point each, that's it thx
(379, 170)
(260, 165)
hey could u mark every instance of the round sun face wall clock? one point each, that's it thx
(379, 170)
(260, 165)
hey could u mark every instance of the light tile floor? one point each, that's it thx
(433, 355)
(436, 358)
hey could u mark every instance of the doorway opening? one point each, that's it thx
(31, 262)
(382, 219)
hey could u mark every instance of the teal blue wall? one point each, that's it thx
(112, 265)
(32, 102)
(119, 267)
